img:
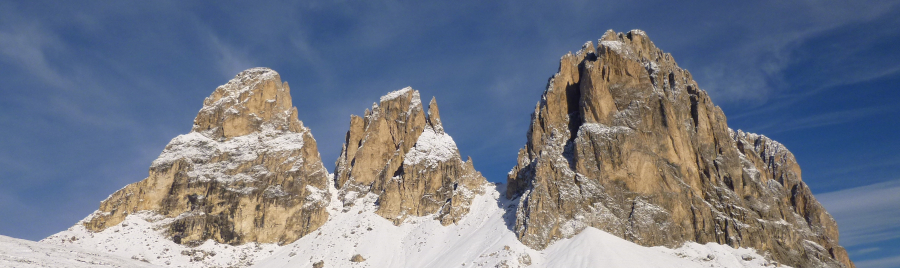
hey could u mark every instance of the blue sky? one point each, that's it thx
(91, 92)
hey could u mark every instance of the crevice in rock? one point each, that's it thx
(695, 112)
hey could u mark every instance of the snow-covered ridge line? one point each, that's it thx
(394, 94)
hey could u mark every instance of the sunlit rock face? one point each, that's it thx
(626, 141)
(248, 171)
(402, 155)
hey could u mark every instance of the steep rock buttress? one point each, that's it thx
(404, 157)
(248, 171)
(625, 141)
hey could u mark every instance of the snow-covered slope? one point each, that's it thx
(140, 237)
(481, 239)
(23, 253)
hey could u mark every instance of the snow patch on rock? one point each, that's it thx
(199, 150)
(431, 148)
(395, 94)
(617, 46)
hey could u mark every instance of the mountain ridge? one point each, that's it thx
(624, 148)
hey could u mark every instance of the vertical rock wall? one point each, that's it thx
(625, 141)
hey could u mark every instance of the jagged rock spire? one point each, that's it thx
(625, 141)
(434, 116)
(406, 160)
(248, 172)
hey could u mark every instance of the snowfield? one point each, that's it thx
(481, 239)
(23, 253)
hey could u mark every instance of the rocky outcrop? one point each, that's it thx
(249, 171)
(403, 157)
(625, 141)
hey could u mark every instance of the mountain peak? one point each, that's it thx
(625, 141)
(247, 149)
(254, 99)
(404, 157)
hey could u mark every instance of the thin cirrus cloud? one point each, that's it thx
(887, 262)
(26, 44)
(229, 59)
(866, 214)
(752, 70)
(820, 120)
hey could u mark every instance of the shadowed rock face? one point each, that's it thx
(249, 171)
(406, 160)
(625, 141)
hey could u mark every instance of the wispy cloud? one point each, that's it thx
(819, 120)
(229, 60)
(753, 71)
(67, 88)
(866, 214)
(313, 57)
(866, 250)
(26, 44)
(867, 164)
(888, 262)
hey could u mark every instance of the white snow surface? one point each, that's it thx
(23, 253)
(617, 46)
(481, 239)
(394, 94)
(602, 129)
(199, 149)
(432, 148)
(140, 237)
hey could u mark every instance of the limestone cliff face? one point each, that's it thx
(249, 171)
(407, 161)
(625, 141)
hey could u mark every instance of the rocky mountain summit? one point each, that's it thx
(625, 141)
(404, 158)
(624, 151)
(248, 171)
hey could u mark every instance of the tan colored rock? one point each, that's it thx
(406, 159)
(249, 171)
(253, 98)
(625, 141)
